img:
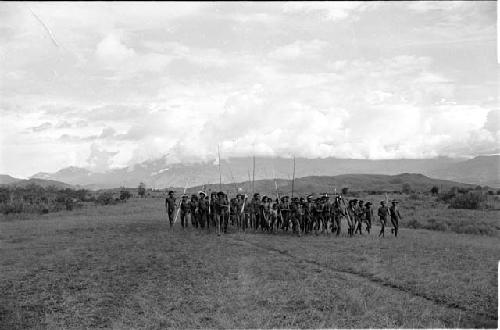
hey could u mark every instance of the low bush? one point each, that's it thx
(106, 198)
(471, 200)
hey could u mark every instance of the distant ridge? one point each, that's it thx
(7, 179)
(482, 170)
(328, 184)
(40, 182)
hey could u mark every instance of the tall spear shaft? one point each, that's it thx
(179, 209)
(293, 179)
(220, 175)
(253, 177)
(249, 180)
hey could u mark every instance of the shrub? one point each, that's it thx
(406, 188)
(435, 225)
(105, 198)
(141, 190)
(471, 200)
(414, 224)
(124, 195)
(416, 197)
(396, 181)
(434, 190)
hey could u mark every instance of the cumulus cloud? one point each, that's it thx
(345, 79)
(114, 54)
(100, 159)
(299, 49)
(492, 123)
(42, 127)
(111, 49)
(330, 10)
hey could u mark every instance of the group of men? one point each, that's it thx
(299, 216)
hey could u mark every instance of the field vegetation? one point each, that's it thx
(120, 266)
(33, 198)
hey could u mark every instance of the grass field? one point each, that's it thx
(122, 267)
(424, 212)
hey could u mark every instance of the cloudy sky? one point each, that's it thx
(104, 85)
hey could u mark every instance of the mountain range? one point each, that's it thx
(11, 181)
(330, 184)
(481, 170)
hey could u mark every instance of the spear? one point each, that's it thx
(293, 180)
(243, 206)
(220, 175)
(249, 180)
(275, 183)
(179, 208)
(253, 178)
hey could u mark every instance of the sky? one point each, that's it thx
(103, 85)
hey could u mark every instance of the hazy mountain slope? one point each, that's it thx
(7, 179)
(483, 170)
(41, 182)
(70, 175)
(321, 184)
(157, 174)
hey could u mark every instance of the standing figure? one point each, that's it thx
(185, 209)
(308, 208)
(170, 207)
(295, 215)
(219, 211)
(383, 213)
(213, 212)
(285, 213)
(233, 202)
(327, 214)
(339, 213)
(194, 206)
(202, 210)
(225, 211)
(255, 218)
(236, 210)
(395, 217)
(317, 215)
(273, 212)
(245, 211)
(360, 216)
(267, 211)
(351, 216)
(368, 216)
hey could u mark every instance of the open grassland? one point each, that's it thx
(122, 267)
(424, 212)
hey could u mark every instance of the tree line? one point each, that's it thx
(34, 198)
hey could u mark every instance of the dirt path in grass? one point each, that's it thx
(474, 318)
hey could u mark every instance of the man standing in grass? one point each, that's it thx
(170, 206)
(383, 213)
(202, 209)
(395, 217)
(193, 206)
(368, 216)
(185, 210)
(360, 216)
(255, 219)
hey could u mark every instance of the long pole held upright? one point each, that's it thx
(293, 179)
(249, 181)
(253, 177)
(220, 175)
